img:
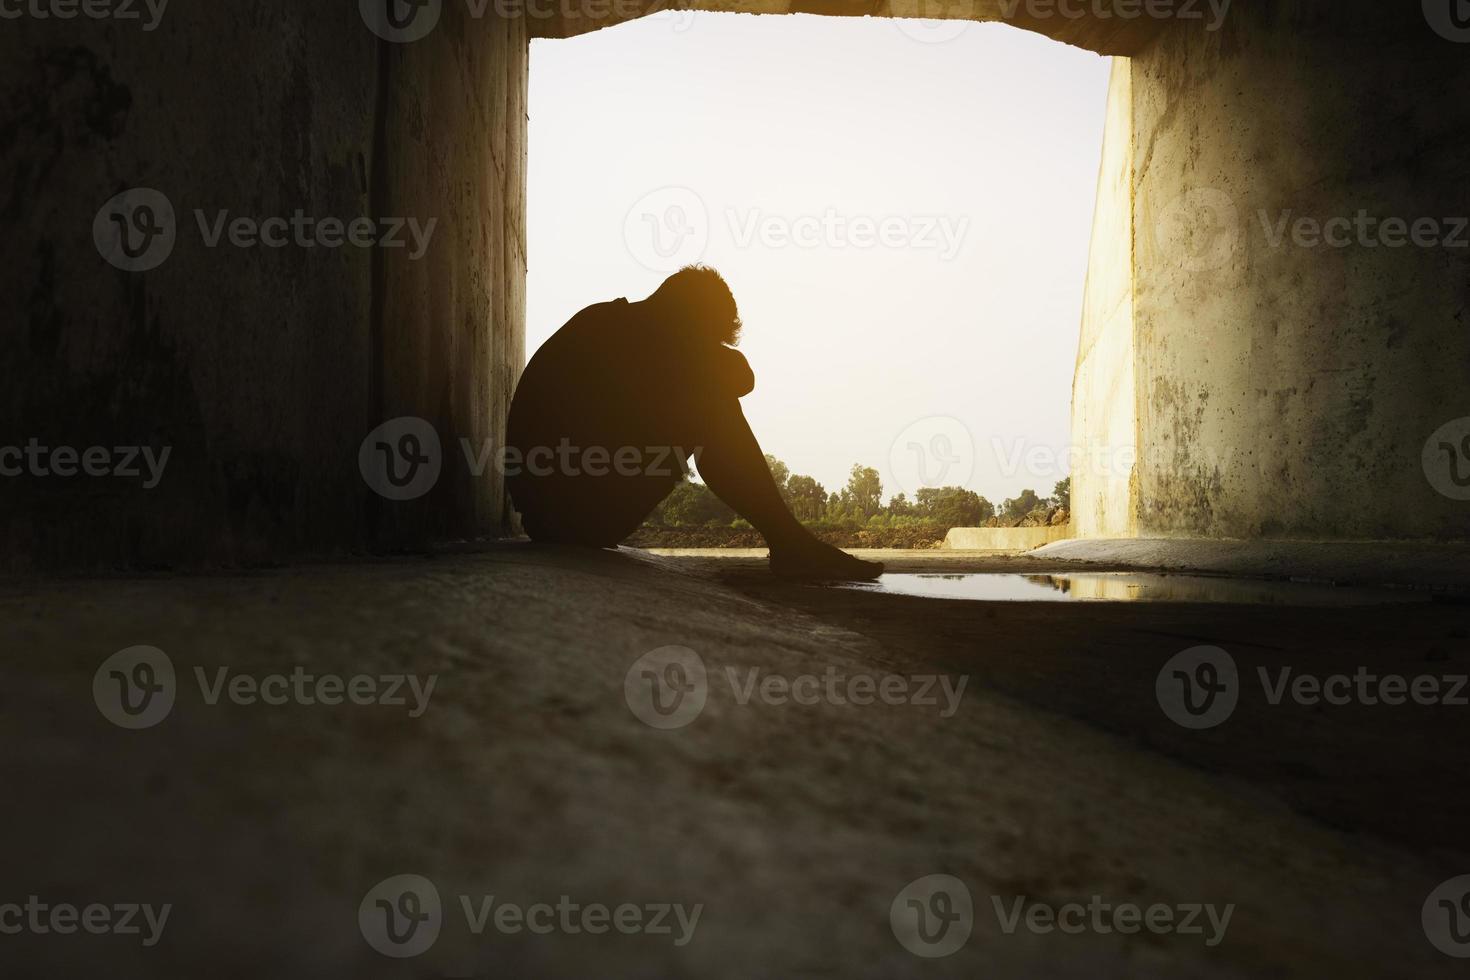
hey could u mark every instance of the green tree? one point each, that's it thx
(691, 504)
(779, 472)
(954, 506)
(864, 492)
(838, 507)
(1016, 507)
(899, 506)
(806, 497)
(1062, 493)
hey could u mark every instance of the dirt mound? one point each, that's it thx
(910, 536)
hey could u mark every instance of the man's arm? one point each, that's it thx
(734, 372)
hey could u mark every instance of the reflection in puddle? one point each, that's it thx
(1128, 587)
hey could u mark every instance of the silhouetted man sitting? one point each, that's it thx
(610, 409)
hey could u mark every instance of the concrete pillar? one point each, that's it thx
(1104, 387)
(1286, 385)
(260, 369)
(451, 330)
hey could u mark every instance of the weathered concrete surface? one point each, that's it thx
(1285, 390)
(451, 329)
(251, 364)
(1080, 24)
(261, 369)
(1011, 539)
(1104, 387)
(528, 778)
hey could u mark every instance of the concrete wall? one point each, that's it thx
(1287, 391)
(452, 328)
(1013, 539)
(1281, 387)
(1104, 391)
(261, 369)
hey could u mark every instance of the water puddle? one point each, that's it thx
(1128, 587)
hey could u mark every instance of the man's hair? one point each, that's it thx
(702, 295)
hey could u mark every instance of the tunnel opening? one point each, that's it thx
(911, 277)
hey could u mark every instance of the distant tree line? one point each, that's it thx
(858, 504)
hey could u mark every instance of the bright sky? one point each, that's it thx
(902, 213)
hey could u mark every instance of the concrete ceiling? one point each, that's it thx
(1112, 35)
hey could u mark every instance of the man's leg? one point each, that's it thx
(732, 463)
(593, 511)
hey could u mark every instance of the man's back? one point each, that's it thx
(606, 414)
